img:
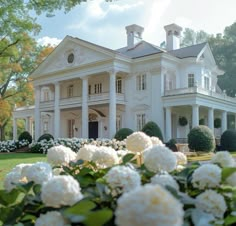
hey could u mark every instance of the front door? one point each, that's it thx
(93, 130)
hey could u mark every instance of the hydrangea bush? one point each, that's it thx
(109, 187)
(75, 144)
(12, 145)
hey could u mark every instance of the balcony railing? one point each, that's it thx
(192, 90)
(77, 100)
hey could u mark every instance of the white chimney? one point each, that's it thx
(134, 35)
(173, 33)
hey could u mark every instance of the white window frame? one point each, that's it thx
(191, 80)
(70, 91)
(98, 88)
(141, 82)
(45, 126)
(70, 127)
(119, 85)
(206, 83)
(141, 119)
(46, 95)
(118, 122)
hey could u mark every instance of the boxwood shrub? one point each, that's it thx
(152, 130)
(46, 136)
(123, 133)
(201, 138)
(228, 140)
(25, 136)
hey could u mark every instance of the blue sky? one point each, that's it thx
(104, 23)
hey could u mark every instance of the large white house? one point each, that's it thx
(86, 90)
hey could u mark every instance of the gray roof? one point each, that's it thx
(190, 51)
(141, 49)
(144, 48)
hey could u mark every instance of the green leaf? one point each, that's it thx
(98, 218)
(226, 172)
(25, 188)
(78, 212)
(230, 220)
(127, 158)
(8, 198)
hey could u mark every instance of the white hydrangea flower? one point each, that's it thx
(211, 202)
(149, 205)
(231, 180)
(206, 176)
(61, 190)
(105, 157)
(159, 158)
(181, 158)
(156, 140)
(86, 152)
(53, 218)
(138, 142)
(60, 155)
(165, 180)
(14, 177)
(11, 179)
(57, 171)
(39, 172)
(224, 158)
(123, 179)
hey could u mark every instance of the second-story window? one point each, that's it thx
(190, 80)
(119, 85)
(70, 90)
(118, 122)
(206, 83)
(98, 88)
(89, 89)
(141, 83)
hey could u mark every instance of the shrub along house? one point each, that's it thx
(86, 90)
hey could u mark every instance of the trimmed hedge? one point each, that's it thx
(123, 133)
(152, 130)
(228, 140)
(46, 136)
(201, 138)
(25, 136)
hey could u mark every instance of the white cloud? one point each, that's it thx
(123, 7)
(95, 9)
(44, 41)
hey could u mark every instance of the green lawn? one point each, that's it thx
(10, 160)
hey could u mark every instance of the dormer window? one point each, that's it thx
(70, 91)
(206, 82)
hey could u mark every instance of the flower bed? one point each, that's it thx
(140, 186)
(12, 145)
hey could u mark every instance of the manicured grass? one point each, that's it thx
(10, 160)
(193, 157)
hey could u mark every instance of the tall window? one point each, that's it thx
(89, 89)
(140, 121)
(71, 126)
(98, 88)
(70, 91)
(190, 80)
(118, 122)
(45, 127)
(46, 95)
(119, 85)
(206, 83)
(141, 83)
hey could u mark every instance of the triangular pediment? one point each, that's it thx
(72, 53)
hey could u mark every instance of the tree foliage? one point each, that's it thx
(224, 48)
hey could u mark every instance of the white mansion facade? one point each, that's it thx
(86, 90)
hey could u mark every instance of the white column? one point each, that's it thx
(85, 107)
(57, 120)
(223, 121)
(210, 118)
(195, 115)
(15, 128)
(168, 123)
(112, 104)
(37, 119)
(27, 124)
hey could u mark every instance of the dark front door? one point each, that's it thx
(93, 130)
